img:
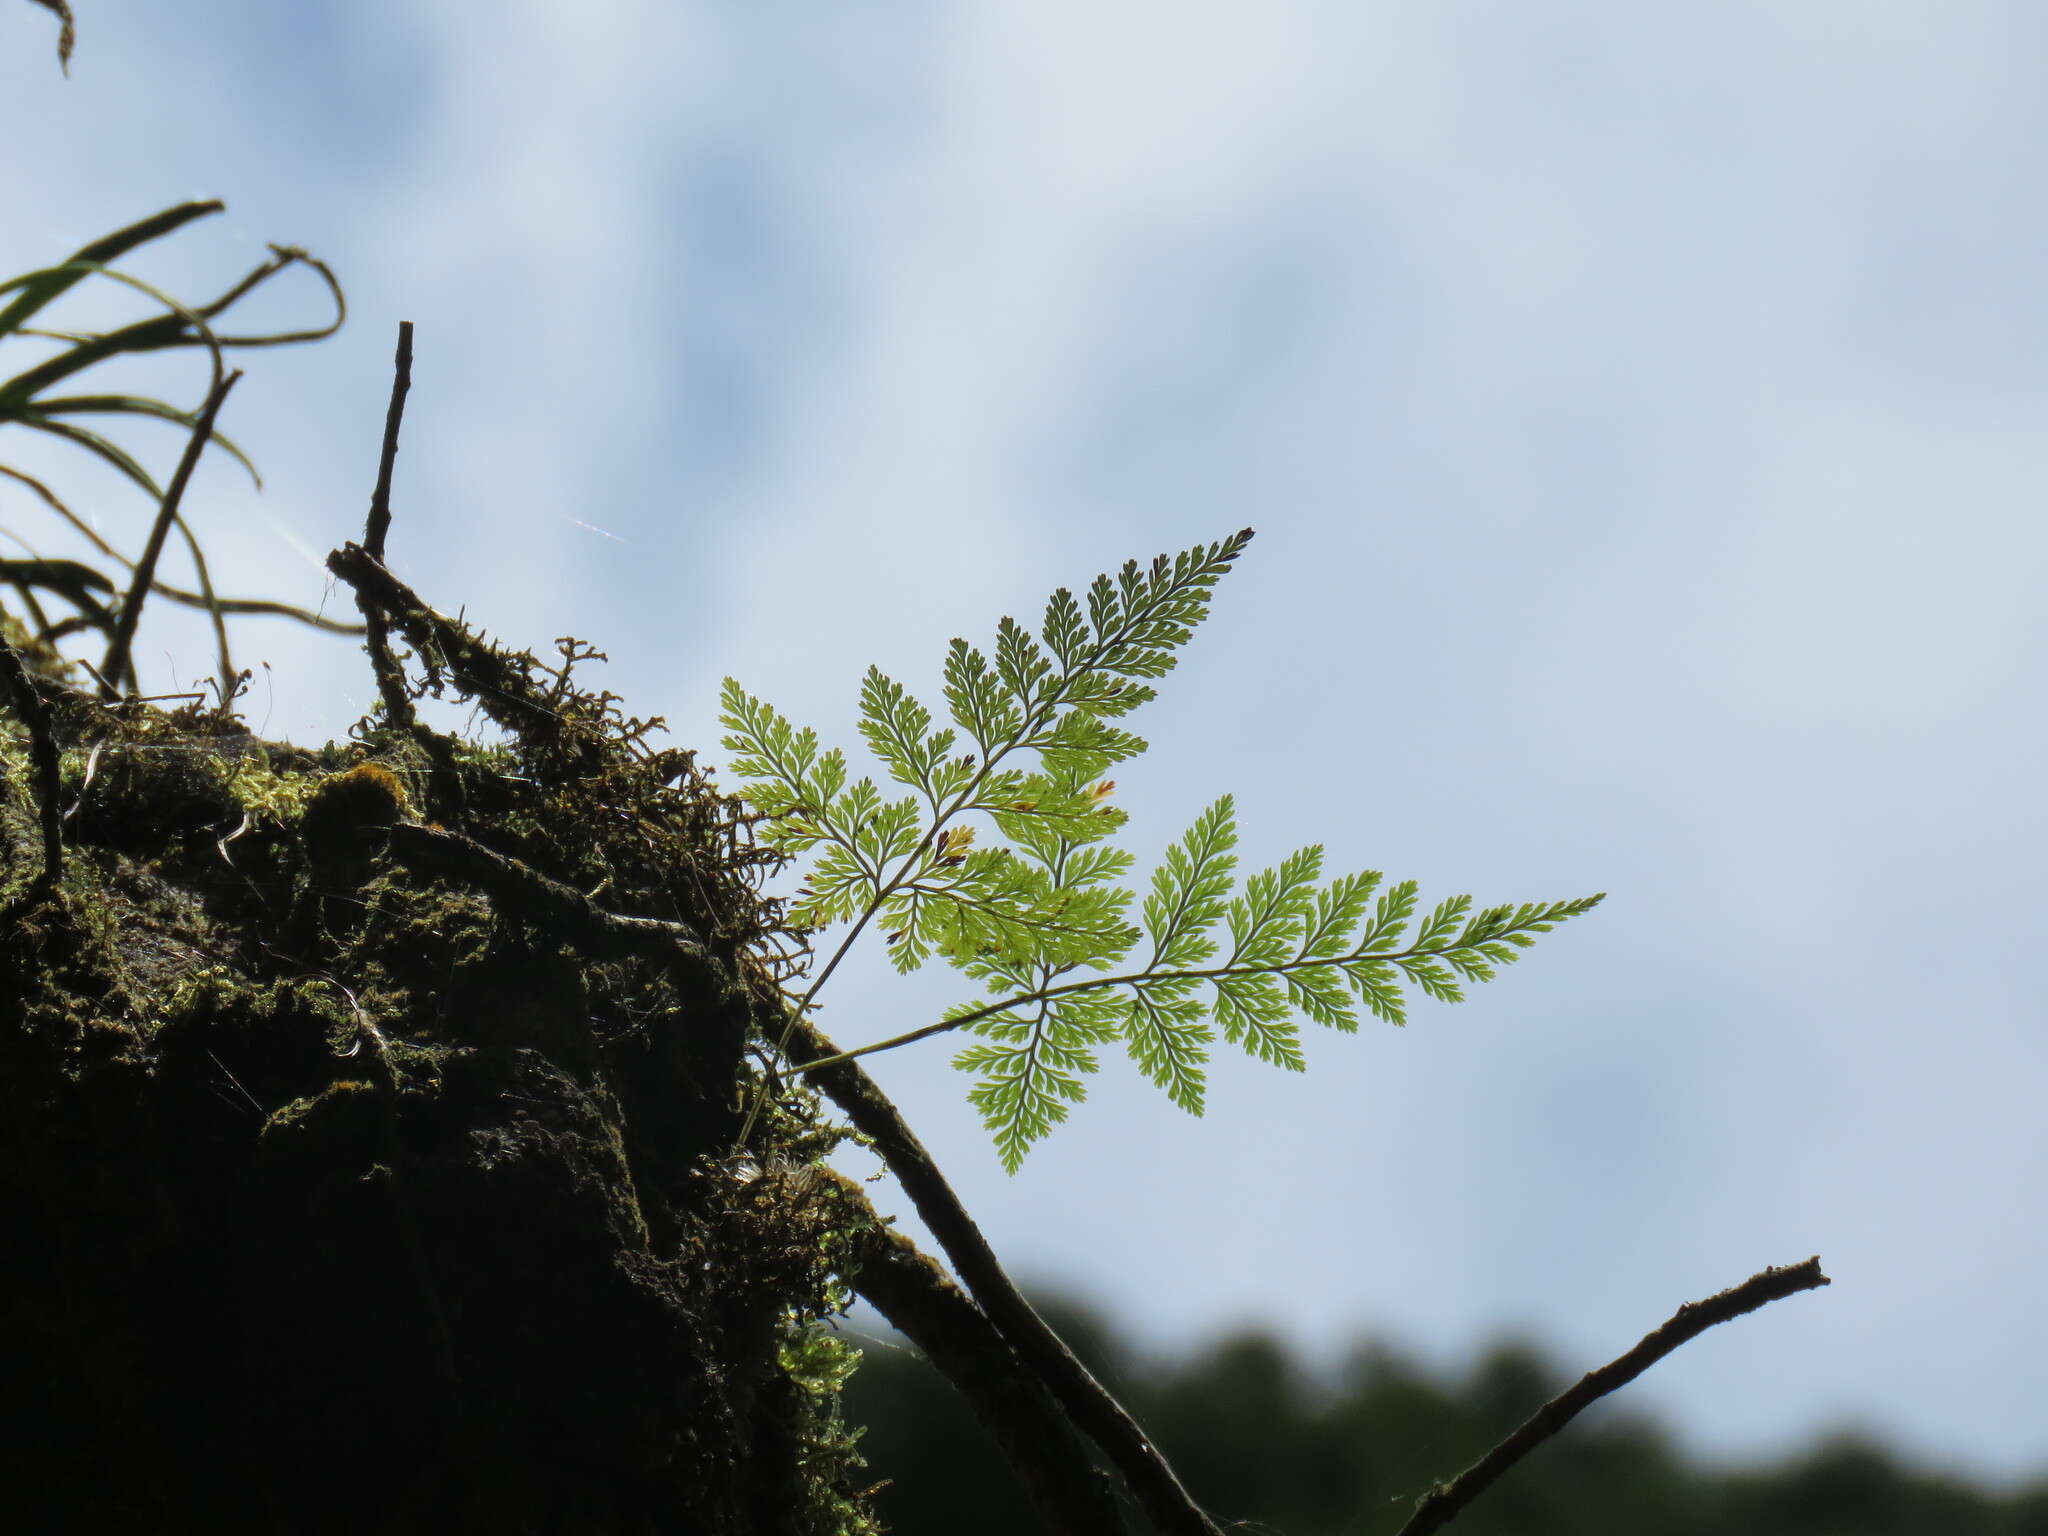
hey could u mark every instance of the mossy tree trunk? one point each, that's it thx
(351, 1184)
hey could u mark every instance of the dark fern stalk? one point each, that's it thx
(1036, 915)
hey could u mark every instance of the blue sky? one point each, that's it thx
(1640, 409)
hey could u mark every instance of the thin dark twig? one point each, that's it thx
(35, 710)
(390, 677)
(379, 522)
(1443, 1503)
(117, 665)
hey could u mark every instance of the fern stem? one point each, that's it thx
(1093, 984)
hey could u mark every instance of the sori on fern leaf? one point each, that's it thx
(1001, 859)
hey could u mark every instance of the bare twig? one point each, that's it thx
(390, 679)
(116, 665)
(910, 1289)
(35, 710)
(379, 522)
(1443, 1503)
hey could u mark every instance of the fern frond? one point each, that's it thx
(1048, 700)
(1295, 948)
(1037, 916)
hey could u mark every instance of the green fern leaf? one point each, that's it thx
(1190, 888)
(1337, 910)
(980, 705)
(1032, 1073)
(1320, 994)
(898, 730)
(837, 888)
(1377, 988)
(1065, 632)
(1252, 1009)
(1266, 922)
(1167, 1036)
(1021, 665)
(1437, 928)
(1389, 919)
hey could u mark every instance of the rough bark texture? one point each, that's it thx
(342, 1195)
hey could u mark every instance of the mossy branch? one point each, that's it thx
(1086, 1402)
(920, 1302)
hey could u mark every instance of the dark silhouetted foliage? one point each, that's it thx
(1280, 1449)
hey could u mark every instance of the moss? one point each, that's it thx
(274, 798)
(344, 1164)
(364, 798)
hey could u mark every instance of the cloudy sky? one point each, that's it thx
(1640, 408)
